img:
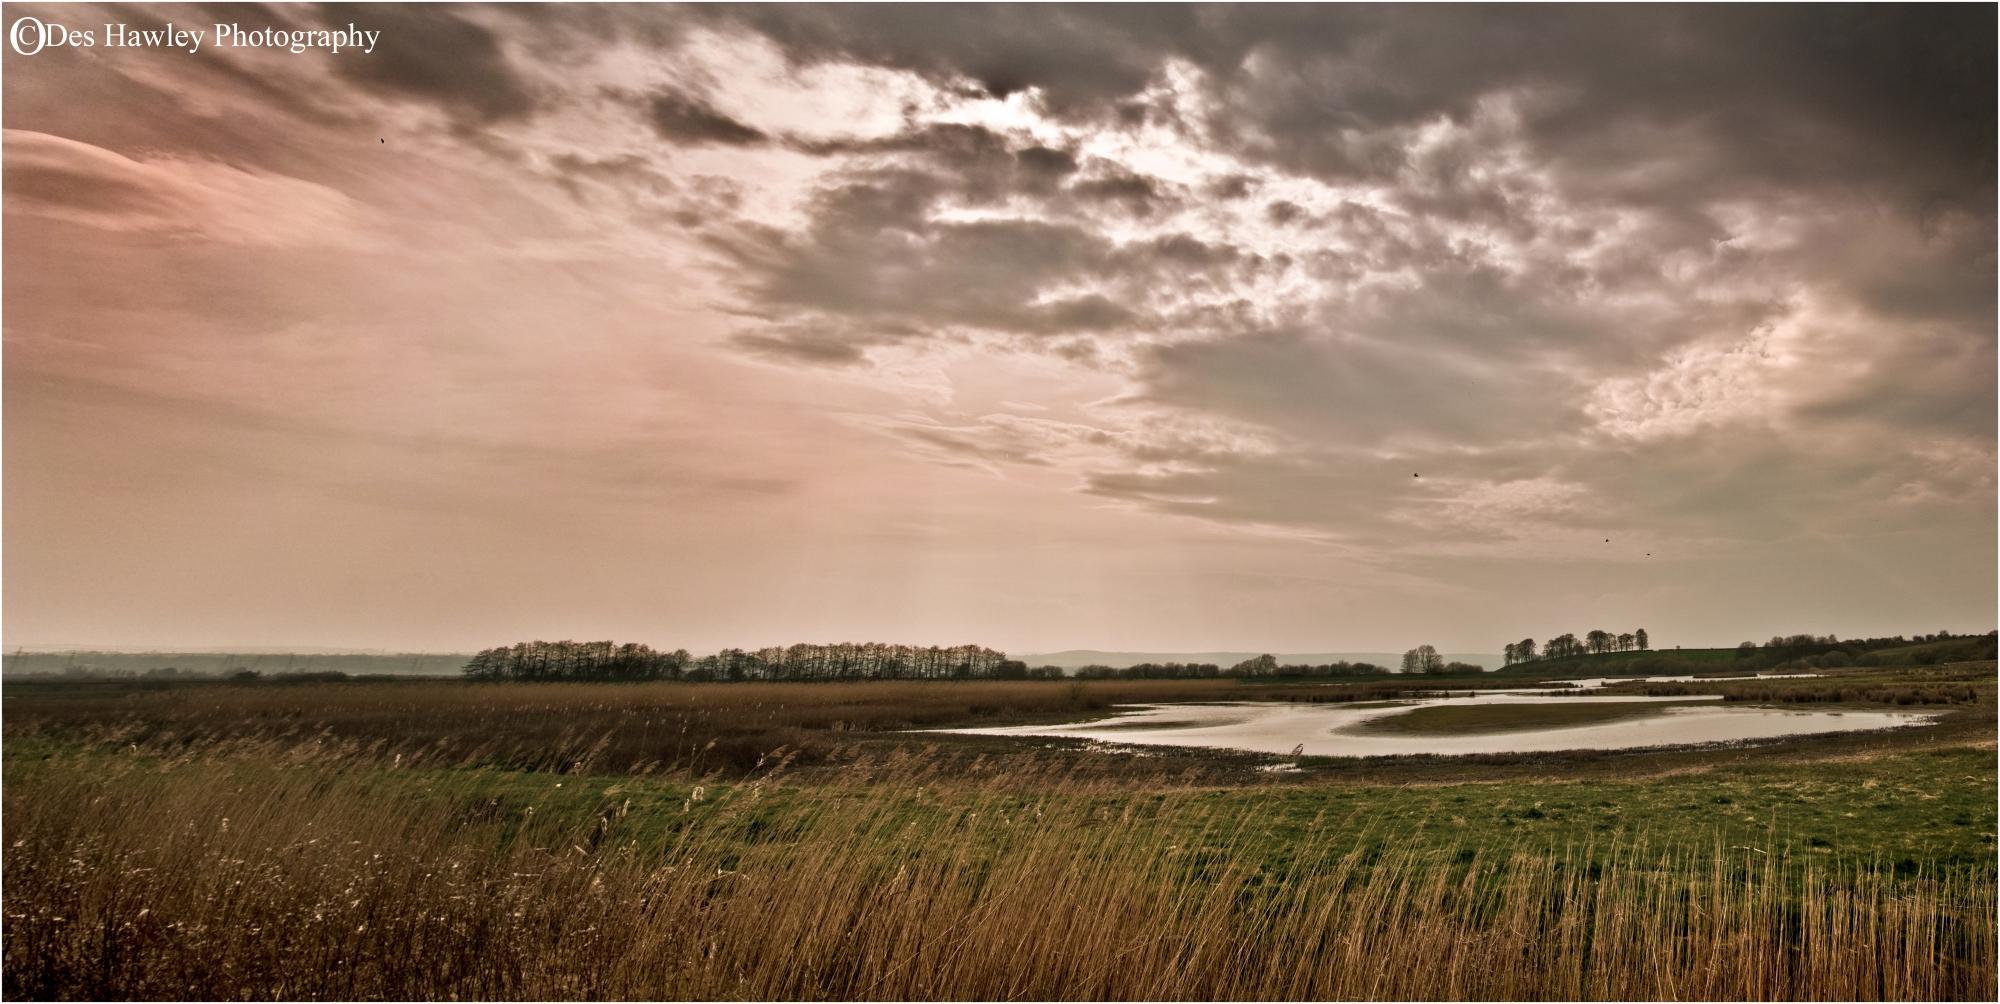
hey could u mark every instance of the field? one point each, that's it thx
(430, 839)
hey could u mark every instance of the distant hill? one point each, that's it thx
(1807, 654)
(121, 663)
(1079, 657)
(217, 663)
(1656, 662)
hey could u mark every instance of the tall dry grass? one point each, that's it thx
(280, 868)
(695, 727)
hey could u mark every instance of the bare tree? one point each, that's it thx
(1422, 659)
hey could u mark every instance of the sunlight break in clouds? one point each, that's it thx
(1043, 327)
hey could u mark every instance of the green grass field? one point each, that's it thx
(399, 840)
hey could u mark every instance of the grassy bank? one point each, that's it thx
(238, 873)
(411, 840)
(1461, 719)
(1956, 684)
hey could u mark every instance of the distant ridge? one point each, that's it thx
(216, 663)
(209, 650)
(1078, 657)
(29, 660)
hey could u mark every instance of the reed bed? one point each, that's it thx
(696, 727)
(309, 868)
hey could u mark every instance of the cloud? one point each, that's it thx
(876, 253)
(435, 56)
(1735, 100)
(809, 344)
(182, 197)
(1696, 388)
(1717, 280)
(1079, 58)
(974, 163)
(1334, 390)
(1137, 194)
(679, 118)
(1233, 186)
(1284, 212)
(1508, 264)
(626, 173)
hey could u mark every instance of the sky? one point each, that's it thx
(1128, 327)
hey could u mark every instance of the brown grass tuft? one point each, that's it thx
(292, 869)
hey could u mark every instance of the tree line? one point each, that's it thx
(1261, 666)
(604, 660)
(1425, 659)
(1564, 646)
(1808, 651)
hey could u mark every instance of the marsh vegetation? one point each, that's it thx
(425, 840)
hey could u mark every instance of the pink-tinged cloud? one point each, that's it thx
(1118, 327)
(181, 197)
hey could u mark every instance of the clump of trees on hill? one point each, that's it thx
(1805, 651)
(1794, 651)
(1425, 659)
(1564, 646)
(604, 660)
(1262, 666)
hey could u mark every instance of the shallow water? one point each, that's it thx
(1336, 730)
(1600, 682)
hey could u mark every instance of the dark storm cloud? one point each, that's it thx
(979, 164)
(1137, 194)
(1598, 244)
(1181, 252)
(1284, 212)
(1529, 125)
(682, 118)
(1716, 281)
(873, 258)
(808, 345)
(433, 54)
(876, 250)
(1663, 111)
(1046, 163)
(1233, 186)
(871, 254)
(1083, 59)
(1768, 95)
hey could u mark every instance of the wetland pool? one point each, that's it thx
(1459, 723)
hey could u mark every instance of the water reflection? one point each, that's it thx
(1346, 729)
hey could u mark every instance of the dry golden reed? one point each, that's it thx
(299, 868)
